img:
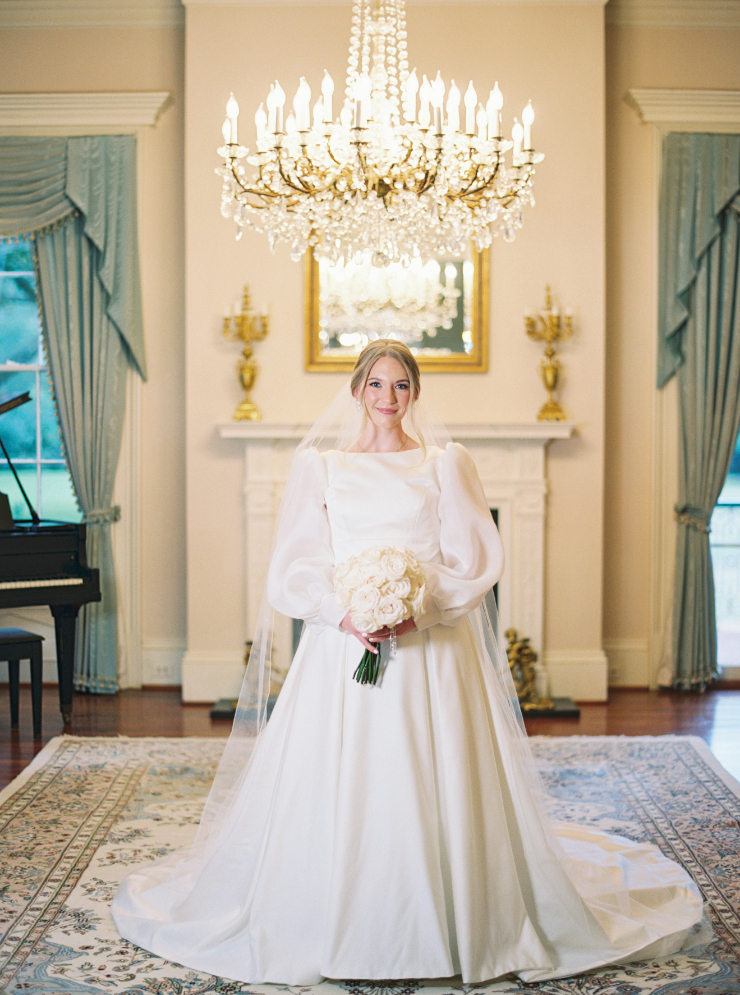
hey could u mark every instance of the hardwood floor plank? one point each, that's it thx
(714, 716)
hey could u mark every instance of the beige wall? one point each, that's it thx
(96, 59)
(635, 58)
(553, 55)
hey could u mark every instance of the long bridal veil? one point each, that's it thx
(564, 885)
(337, 428)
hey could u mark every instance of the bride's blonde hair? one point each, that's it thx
(399, 351)
(386, 347)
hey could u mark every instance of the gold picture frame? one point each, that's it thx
(319, 360)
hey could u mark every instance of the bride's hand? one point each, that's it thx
(408, 625)
(364, 638)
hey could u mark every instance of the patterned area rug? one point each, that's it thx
(88, 809)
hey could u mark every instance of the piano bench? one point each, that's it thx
(17, 645)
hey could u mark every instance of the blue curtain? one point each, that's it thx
(699, 342)
(77, 198)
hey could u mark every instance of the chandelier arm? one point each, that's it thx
(429, 177)
(288, 181)
(256, 192)
(261, 193)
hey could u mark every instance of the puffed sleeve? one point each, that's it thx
(300, 579)
(471, 548)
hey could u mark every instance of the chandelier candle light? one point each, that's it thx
(401, 172)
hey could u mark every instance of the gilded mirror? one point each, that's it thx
(439, 309)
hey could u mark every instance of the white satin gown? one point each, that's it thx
(388, 832)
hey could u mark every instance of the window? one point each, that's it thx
(725, 543)
(31, 432)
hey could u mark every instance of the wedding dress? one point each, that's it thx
(388, 831)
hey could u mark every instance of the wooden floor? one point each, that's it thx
(714, 716)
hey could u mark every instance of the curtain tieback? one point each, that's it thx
(693, 518)
(102, 516)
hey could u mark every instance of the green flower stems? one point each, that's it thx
(368, 667)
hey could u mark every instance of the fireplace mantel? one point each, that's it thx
(540, 431)
(511, 463)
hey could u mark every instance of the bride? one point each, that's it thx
(394, 830)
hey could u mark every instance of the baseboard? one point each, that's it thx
(577, 674)
(208, 675)
(162, 662)
(629, 662)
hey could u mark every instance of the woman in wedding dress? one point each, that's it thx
(394, 830)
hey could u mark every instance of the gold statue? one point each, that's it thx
(547, 327)
(247, 327)
(522, 659)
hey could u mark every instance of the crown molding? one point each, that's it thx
(90, 13)
(126, 111)
(674, 13)
(699, 107)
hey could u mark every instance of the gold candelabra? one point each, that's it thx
(550, 328)
(246, 327)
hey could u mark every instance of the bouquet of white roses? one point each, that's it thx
(381, 587)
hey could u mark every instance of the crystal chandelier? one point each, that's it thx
(401, 177)
(361, 302)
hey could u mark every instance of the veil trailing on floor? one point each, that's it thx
(587, 906)
(338, 428)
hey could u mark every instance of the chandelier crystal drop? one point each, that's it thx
(403, 171)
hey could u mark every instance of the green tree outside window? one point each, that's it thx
(31, 432)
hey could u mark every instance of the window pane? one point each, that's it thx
(8, 486)
(18, 427)
(57, 495)
(19, 318)
(15, 256)
(51, 440)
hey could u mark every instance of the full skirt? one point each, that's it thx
(391, 832)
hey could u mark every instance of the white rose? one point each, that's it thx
(342, 574)
(393, 565)
(363, 623)
(375, 580)
(372, 555)
(365, 599)
(391, 611)
(399, 588)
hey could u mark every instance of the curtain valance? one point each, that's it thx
(45, 181)
(700, 178)
(33, 180)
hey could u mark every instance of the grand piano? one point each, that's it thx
(45, 563)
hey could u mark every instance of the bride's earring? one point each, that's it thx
(357, 402)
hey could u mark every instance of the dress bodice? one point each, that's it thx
(339, 504)
(375, 499)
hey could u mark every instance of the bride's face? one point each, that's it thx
(387, 393)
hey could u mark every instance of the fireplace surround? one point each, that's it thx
(512, 467)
